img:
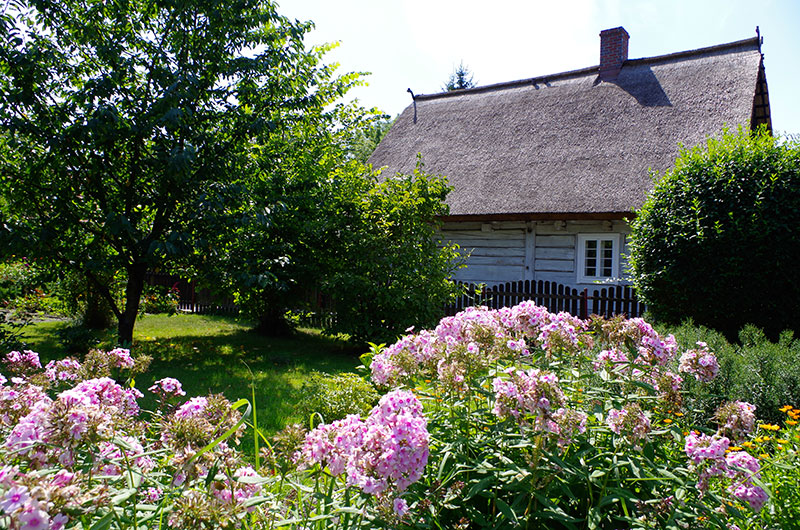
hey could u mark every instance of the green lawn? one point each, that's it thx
(220, 354)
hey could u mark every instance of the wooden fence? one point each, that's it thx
(605, 301)
(191, 299)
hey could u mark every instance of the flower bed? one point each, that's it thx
(497, 418)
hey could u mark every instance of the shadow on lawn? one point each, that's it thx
(229, 363)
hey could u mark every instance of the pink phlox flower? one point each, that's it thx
(192, 408)
(22, 362)
(33, 518)
(105, 391)
(167, 387)
(400, 506)
(14, 499)
(122, 358)
(59, 522)
(630, 422)
(700, 362)
(612, 358)
(62, 370)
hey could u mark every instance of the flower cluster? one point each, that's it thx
(712, 457)
(736, 419)
(631, 422)
(385, 453)
(472, 340)
(63, 370)
(66, 457)
(700, 362)
(167, 388)
(22, 363)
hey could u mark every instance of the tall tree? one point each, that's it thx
(132, 126)
(459, 79)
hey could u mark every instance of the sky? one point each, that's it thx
(417, 44)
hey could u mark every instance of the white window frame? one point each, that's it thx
(581, 251)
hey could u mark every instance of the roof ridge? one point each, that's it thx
(544, 79)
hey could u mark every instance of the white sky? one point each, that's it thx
(417, 43)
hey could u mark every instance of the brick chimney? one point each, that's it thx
(613, 52)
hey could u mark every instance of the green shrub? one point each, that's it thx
(76, 338)
(756, 370)
(159, 299)
(716, 239)
(335, 396)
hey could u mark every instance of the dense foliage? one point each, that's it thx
(369, 245)
(509, 418)
(754, 369)
(127, 127)
(716, 239)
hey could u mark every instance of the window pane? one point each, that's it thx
(591, 267)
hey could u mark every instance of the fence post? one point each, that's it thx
(585, 303)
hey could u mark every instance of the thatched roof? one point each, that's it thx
(569, 143)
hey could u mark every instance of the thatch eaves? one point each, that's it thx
(572, 144)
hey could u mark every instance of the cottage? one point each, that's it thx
(547, 171)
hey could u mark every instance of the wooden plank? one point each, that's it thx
(477, 234)
(554, 241)
(554, 265)
(474, 243)
(564, 253)
(514, 261)
(493, 251)
(530, 254)
(487, 274)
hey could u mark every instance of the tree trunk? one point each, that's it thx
(98, 314)
(133, 294)
(272, 322)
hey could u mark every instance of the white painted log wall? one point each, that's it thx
(506, 251)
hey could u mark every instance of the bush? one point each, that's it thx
(157, 299)
(755, 369)
(333, 397)
(716, 239)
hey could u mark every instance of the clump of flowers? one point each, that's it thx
(382, 455)
(167, 388)
(631, 422)
(700, 362)
(742, 468)
(736, 419)
(63, 370)
(22, 363)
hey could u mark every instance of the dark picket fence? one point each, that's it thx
(191, 298)
(604, 301)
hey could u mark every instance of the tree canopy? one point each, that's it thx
(129, 128)
(461, 77)
(717, 238)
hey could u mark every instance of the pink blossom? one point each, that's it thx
(167, 387)
(700, 362)
(121, 358)
(34, 518)
(14, 499)
(630, 422)
(400, 507)
(192, 408)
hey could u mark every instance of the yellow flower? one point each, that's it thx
(779, 447)
(679, 414)
(667, 420)
(734, 448)
(763, 455)
(791, 422)
(785, 408)
(748, 445)
(781, 441)
(769, 426)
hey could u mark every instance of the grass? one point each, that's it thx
(220, 354)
